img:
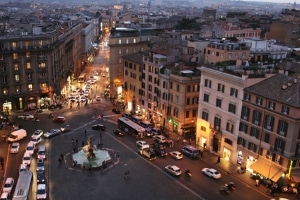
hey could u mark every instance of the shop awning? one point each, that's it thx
(268, 170)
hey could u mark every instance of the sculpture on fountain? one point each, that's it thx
(90, 149)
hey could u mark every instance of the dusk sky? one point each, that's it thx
(277, 1)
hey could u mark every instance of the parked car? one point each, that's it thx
(26, 116)
(142, 144)
(23, 167)
(100, 127)
(160, 139)
(116, 110)
(52, 133)
(176, 154)
(8, 185)
(173, 170)
(118, 132)
(26, 159)
(65, 128)
(213, 173)
(36, 140)
(14, 147)
(59, 119)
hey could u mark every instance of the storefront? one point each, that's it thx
(268, 170)
(189, 130)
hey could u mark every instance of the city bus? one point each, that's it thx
(131, 128)
(147, 125)
(81, 78)
(23, 186)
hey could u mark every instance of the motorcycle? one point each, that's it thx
(224, 190)
(36, 119)
(230, 186)
(188, 173)
(50, 116)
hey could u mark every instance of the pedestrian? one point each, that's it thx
(201, 154)
(85, 133)
(59, 160)
(83, 168)
(82, 144)
(72, 141)
(90, 168)
(100, 134)
(219, 159)
(76, 142)
(257, 182)
(61, 156)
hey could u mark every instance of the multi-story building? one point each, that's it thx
(227, 50)
(220, 105)
(122, 41)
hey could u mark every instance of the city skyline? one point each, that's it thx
(274, 1)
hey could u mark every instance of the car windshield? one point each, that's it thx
(41, 191)
(7, 185)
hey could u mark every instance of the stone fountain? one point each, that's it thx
(92, 156)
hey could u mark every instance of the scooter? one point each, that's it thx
(224, 190)
(188, 173)
(36, 119)
(230, 186)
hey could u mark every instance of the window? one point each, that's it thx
(221, 87)
(42, 65)
(177, 88)
(219, 102)
(175, 112)
(120, 41)
(195, 112)
(217, 123)
(233, 92)
(18, 89)
(29, 86)
(206, 98)
(196, 88)
(247, 97)
(243, 127)
(232, 108)
(269, 122)
(282, 127)
(252, 146)
(256, 117)
(150, 78)
(188, 88)
(176, 99)
(254, 132)
(267, 137)
(279, 145)
(229, 127)
(187, 114)
(17, 77)
(29, 76)
(207, 83)
(171, 85)
(259, 101)
(150, 88)
(120, 51)
(16, 66)
(285, 110)
(271, 105)
(195, 100)
(241, 141)
(28, 65)
(205, 115)
(188, 101)
(15, 56)
(245, 113)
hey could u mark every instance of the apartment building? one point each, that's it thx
(122, 41)
(220, 106)
(227, 50)
(269, 126)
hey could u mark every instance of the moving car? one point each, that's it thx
(100, 127)
(30, 147)
(14, 148)
(173, 169)
(41, 191)
(147, 153)
(65, 129)
(40, 167)
(8, 185)
(142, 144)
(23, 167)
(160, 152)
(40, 177)
(36, 140)
(118, 132)
(26, 159)
(160, 139)
(176, 154)
(213, 173)
(37, 134)
(59, 119)
(26, 116)
(52, 133)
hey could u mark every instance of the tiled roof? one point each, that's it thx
(272, 88)
(135, 57)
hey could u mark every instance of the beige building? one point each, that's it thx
(226, 50)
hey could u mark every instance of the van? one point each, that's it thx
(160, 139)
(190, 151)
(17, 135)
(30, 147)
(41, 154)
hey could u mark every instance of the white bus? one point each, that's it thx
(81, 78)
(131, 128)
(23, 186)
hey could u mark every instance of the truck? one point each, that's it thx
(147, 153)
(17, 135)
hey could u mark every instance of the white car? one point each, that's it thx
(142, 144)
(23, 167)
(36, 140)
(213, 173)
(14, 148)
(26, 159)
(173, 169)
(37, 134)
(176, 154)
(52, 133)
(8, 185)
(41, 192)
(98, 98)
(26, 116)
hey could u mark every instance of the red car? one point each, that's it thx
(59, 119)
